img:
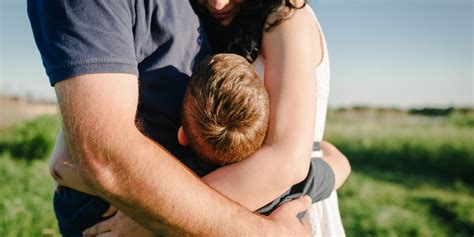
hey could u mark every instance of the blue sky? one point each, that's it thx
(402, 53)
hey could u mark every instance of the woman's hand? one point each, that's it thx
(117, 225)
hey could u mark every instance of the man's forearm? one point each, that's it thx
(159, 192)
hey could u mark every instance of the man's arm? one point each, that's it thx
(137, 175)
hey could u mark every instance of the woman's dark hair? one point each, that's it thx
(244, 35)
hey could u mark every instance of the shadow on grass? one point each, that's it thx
(31, 140)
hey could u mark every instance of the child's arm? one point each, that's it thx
(62, 169)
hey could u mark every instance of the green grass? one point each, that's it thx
(394, 141)
(26, 194)
(31, 140)
(412, 175)
(376, 207)
(26, 188)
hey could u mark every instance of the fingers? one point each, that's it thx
(99, 228)
(298, 205)
(110, 212)
(305, 222)
(285, 216)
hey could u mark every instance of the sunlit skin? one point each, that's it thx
(224, 11)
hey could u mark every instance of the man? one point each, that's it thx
(104, 58)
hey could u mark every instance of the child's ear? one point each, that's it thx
(182, 138)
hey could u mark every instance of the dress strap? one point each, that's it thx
(317, 152)
(316, 146)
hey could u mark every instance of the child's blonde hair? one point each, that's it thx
(225, 110)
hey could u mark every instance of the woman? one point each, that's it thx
(236, 27)
(286, 46)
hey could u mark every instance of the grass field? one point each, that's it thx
(26, 188)
(413, 175)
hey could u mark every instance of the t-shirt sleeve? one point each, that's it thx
(318, 184)
(83, 37)
(320, 181)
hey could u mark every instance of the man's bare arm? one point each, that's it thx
(137, 175)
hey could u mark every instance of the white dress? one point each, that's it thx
(324, 216)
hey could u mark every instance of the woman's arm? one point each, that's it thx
(338, 163)
(292, 51)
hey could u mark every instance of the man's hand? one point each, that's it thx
(286, 216)
(118, 225)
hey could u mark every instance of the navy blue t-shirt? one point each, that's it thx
(158, 41)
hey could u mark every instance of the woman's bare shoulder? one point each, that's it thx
(299, 14)
(298, 28)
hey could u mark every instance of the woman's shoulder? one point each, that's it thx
(298, 28)
(300, 12)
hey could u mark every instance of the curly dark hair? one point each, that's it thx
(244, 35)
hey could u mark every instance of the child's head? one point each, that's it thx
(225, 110)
